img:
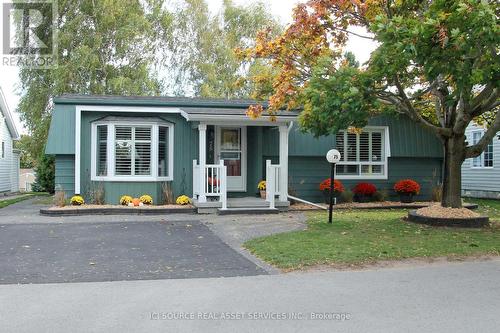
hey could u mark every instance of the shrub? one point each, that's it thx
(183, 200)
(437, 193)
(146, 199)
(337, 185)
(380, 195)
(407, 186)
(125, 200)
(95, 193)
(45, 174)
(167, 193)
(346, 196)
(77, 200)
(60, 198)
(367, 189)
(262, 185)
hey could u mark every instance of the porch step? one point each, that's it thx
(247, 210)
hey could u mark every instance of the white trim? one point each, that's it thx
(283, 160)
(109, 108)
(385, 163)
(262, 121)
(481, 156)
(244, 153)
(111, 177)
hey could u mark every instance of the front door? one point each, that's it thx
(231, 147)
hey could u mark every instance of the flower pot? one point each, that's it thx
(406, 197)
(363, 198)
(336, 195)
(262, 194)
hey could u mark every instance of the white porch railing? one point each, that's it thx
(273, 180)
(213, 184)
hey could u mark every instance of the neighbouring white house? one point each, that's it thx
(481, 175)
(9, 157)
(27, 178)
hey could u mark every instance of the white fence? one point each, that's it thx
(213, 184)
(273, 174)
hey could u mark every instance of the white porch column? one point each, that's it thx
(202, 130)
(283, 181)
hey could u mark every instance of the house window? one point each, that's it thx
(363, 155)
(485, 160)
(123, 151)
(3, 149)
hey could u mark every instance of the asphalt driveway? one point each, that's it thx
(103, 251)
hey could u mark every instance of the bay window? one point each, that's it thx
(363, 155)
(127, 151)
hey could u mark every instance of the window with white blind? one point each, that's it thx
(363, 155)
(485, 160)
(130, 151)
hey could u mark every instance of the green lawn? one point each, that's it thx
(7, 202)
(360, 237)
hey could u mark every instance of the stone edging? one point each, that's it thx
(115, 211)
(473, 222)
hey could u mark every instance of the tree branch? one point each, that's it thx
(485, 101)
(416, 116)
(477, 149)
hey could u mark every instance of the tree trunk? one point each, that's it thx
(454, 155)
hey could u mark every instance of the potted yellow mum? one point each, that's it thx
(262, 188)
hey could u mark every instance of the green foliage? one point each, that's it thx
(45, 174)
(104, 47)
(200, 53)
(25, 145)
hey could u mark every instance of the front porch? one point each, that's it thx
(231, 162)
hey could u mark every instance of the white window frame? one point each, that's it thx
(386, 149)
(480, 157)
(110, 151)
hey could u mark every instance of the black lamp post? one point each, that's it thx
(333, 156)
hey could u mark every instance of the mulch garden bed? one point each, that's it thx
(116, 210)
(373, 205)
(436, 215)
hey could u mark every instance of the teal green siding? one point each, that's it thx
(61, 139)
(65, 174)
(306, 173)
(185, 151)
(406, 139)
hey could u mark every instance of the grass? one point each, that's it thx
(8, 202)
(362, 237)
(487, 207)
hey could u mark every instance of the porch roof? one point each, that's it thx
(193, 109)
(233, 114)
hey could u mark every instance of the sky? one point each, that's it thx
(9, 82)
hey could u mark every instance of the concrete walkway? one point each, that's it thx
(451, 297)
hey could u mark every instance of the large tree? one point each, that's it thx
(436, 62)
(104, 47)
(199, 55)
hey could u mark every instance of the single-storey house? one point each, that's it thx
(481, 175)
(9, 157)
(210, 150)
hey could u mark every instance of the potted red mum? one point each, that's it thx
(325, 186)
(406, 189)
(363, 192)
